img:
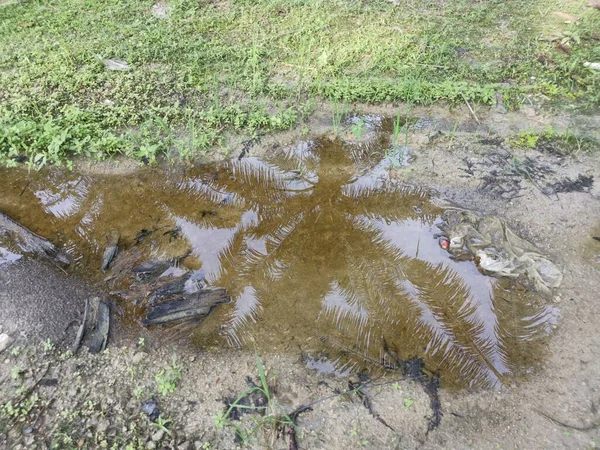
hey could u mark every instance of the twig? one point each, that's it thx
(81, 330)
(364, 396)
(470, 109)
(566, 425)
(304, 408)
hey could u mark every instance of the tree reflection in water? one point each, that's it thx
(329, 247)
(317, 243)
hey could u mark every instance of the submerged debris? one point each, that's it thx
(31, 242)
(151, 268)
(190, 306)
(101, 320)
(111, 251)
(497, 250)
(174, 287)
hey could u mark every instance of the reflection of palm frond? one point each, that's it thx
(341, 266)
(253, 181)
(192, 187)
(350, 311)
(230, 274)
(246, 310)
(458, 339)
(389, 204)
(522, 327)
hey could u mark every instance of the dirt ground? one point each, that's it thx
(94, 401)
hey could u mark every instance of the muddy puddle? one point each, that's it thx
(322, 253)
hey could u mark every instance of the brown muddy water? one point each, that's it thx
(323, 254)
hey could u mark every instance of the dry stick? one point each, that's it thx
(470, 109)
(304, 408)
(574, 427)
(81, 330)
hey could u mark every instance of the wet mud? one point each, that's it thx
(322, 252)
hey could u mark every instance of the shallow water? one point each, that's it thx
(323, 255)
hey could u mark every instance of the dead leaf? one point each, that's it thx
(567, 17)
(564, 47)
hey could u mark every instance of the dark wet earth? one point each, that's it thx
(322, 253)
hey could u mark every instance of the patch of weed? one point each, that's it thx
(168, 378)
(554, 142)
(259, 66)
(267, 414)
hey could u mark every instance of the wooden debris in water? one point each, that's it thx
(196, 305)
(101, 321)
(31, 242)
(111, 250)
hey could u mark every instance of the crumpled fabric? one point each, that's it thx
(498, 251)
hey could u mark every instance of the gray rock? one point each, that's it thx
(160, 10)
(187, 445)
(150, 445)
(102, 426)
(158, 436)
(5, 341)
(139, 357)
(150, 408)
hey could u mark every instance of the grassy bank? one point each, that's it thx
(205, 68)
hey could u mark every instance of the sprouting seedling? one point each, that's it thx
(339, 111)
(397, 130)
(358, 128)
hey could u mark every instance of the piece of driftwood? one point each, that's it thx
(111, 250)
(174, 287)
(101, 321)
(190, 306)
(31, 242)
(81, 330)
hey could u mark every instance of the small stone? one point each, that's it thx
(139, 357)
(157, 437)
(5, 341)
(150, 445)
(28, 430)
(102, 426)
(528, 111)
(192, 358)
(187, 445)
(150, 408)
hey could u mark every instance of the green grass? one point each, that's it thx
(269, 418)
(561, 143)
(254, 66)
